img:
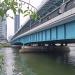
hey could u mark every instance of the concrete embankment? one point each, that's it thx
(16, 46)
(4, 45)
(29, 49)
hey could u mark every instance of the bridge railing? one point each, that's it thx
(69, 4)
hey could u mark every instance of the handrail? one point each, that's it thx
(53, 11)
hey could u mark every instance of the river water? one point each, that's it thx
(16, 63)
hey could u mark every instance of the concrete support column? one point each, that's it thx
(65, 44)
(49, 44)
(46, 44)
(28, 44)
(39, 44)
(53, 44)
(42, 45)
(61, 44)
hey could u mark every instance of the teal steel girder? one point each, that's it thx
(61, 32)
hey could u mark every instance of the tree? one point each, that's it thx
(16, 7)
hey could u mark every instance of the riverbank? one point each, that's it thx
(2, 45)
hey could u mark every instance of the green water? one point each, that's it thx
(16, 63)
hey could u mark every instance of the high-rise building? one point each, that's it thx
(3, 29)
(16, 23)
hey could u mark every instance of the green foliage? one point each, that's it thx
(16, 7)
(34, 16)
(1, 61)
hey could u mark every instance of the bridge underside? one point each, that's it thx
(64, 33)
(17, 43)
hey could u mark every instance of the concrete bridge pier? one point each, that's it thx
(43, 47)
(65, 44)
(39, 44)
(53, 44)
(61, 44)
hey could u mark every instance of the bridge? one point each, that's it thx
(56, 25)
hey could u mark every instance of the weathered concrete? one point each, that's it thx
(16, 46)
(33, 49)
(26, 49)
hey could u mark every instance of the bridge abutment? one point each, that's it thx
(42, 47)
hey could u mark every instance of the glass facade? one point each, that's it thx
(16, 23)
(3, 29)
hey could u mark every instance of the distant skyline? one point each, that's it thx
(10, 22)
(16, 23)
(3, 30)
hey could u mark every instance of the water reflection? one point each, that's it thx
(9, 61)
(23, 66)
(39, 63)
(71, 56)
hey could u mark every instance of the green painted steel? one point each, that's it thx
(47, 34)
(61, 32)
(53, 33)
(70, 30)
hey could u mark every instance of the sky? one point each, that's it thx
(10, 22)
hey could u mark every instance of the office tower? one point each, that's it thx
(3, 29)
(16, 23)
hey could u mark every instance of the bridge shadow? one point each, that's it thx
(45, 49)
(58, 49)
(58, 53)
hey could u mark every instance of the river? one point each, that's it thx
(16, 63)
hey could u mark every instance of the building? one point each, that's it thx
(3, 29)
(16, 23)
(9, 38)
